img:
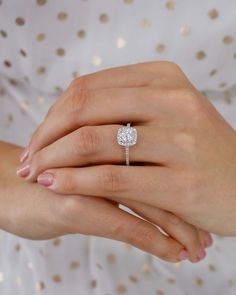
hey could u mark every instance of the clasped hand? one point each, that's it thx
(182, 176)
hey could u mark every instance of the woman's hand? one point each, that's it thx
(186, 149)
(30, 211)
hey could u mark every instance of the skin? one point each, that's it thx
(185, 156)
(31, 211)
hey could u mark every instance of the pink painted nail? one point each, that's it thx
(208, 240)
(45, 179)
(201, 254)
(183, 255)
(23, 170)
(24, 155)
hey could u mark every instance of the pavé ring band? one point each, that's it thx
(127, 136)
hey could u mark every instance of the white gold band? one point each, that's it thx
(127, 136)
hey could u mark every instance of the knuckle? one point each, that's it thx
(110, 179)
(69, 210)
(185, 139)
(188, 184)
(142, 236)
(79, 96)
(189, 100)
(88, 140)
(173, 219)
(81, 82)
(65, 182)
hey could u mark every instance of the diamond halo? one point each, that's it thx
(127, 136)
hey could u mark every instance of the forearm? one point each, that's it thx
(9, 159)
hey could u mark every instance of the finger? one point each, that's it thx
(85, 106)
(116, 181)
(205, 237)
(120, 225)
(185, 233)
(90, 107)
(98, 145)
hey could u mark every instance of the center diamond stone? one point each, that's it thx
(127, 136)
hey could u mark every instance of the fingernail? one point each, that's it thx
(208, 240)
(24, 155)
(23, 170)
(201, 254)
(183, 255)
(45, 179)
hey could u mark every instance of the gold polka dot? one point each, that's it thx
(227, 97)
(7, 63)
(56, 278)
(30, 265)
(3, 33)
(177, 264)
(17, 247)
(40, 286)
(40, 37)
(24, 105)
(111, 258)
(81, 34)
(228, 40)
(128, 246)
(200, 55)
(56, 242)
(120, 42)
(222, 85)
(160, 48)
(198, 281)
(234, 55)
(211, 267)
(213, 13)
(41, 99)
(75, 74)
(170, 5)
(133, 279)
(41, 70)
(8, 120)
(104, 18)
(160, 292)
(58, 89)
(74, 264)
(62, 15)
(121, 288)
(1, 277)
(23, 52)
(128, 1)
(41, 2)
(18, 280)
(213, 72)
(20, 21)
(185, 31)
(60, 52)
(145, 23)
(13, 82)
(231, 282)
(96, 60)
(146, 268)
(171, 281)
(93, 284)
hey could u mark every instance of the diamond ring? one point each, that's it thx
(127, 136)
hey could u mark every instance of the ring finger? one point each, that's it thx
(98, 145)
